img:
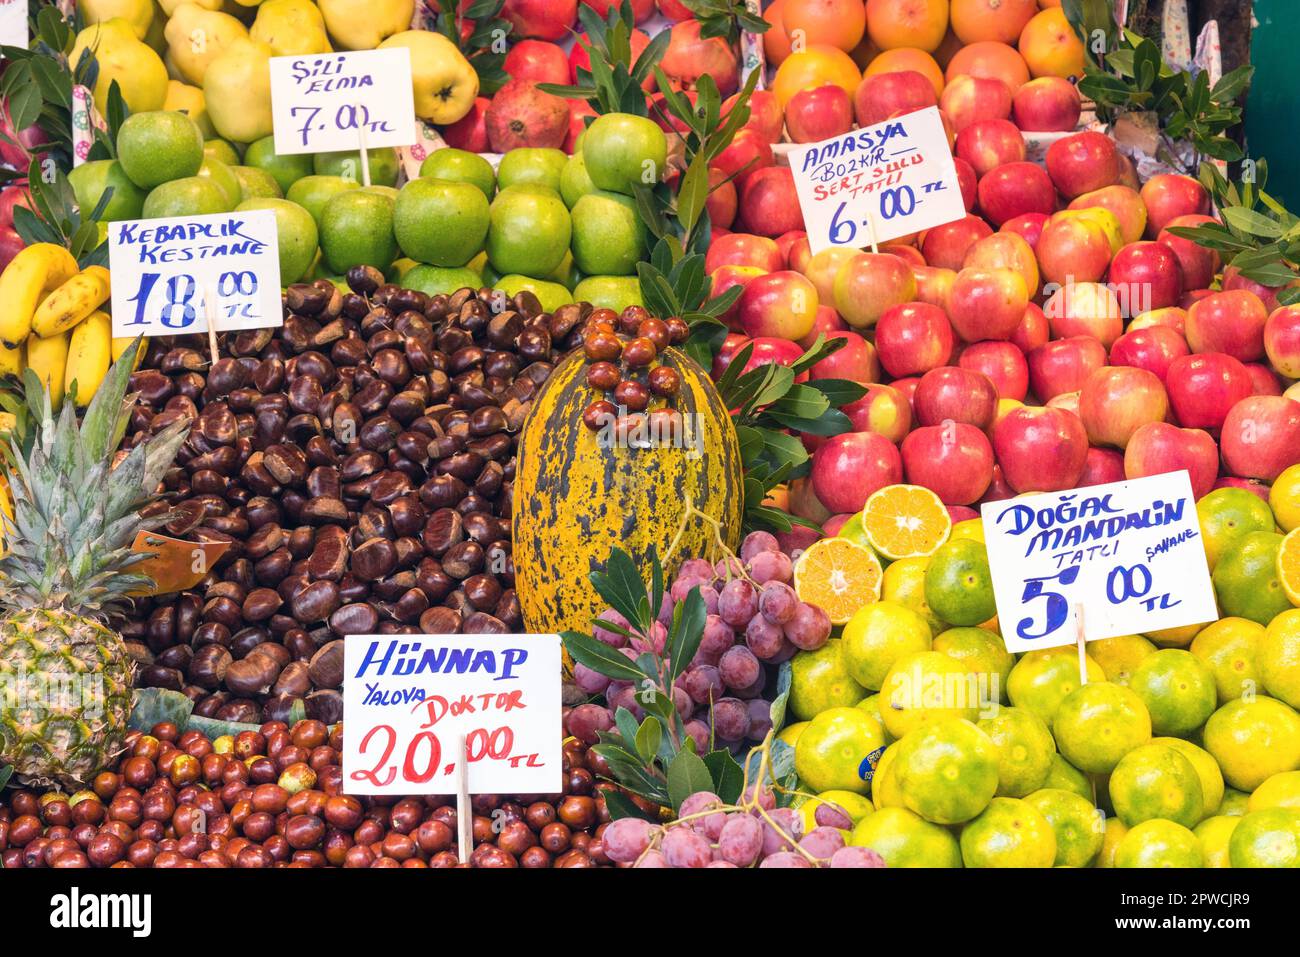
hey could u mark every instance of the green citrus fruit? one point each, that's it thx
(1229, 647)
(1098, 724)
(1279, 658)
(1079, 826)
(790, 733)
(819, 680)
(460, 166)
(286, 170)
(924, 687)
(1025, 750)
(1008, 833)
(1246, 580)
(884, 785)
(1064, 776)
(1214, 833)
(1041, 679)
(1268, 838)
(877, 636)
(836, 747)
(947, 771)
(1207, 770)
(1253, 740)
(1226, 514)
(159, 146)
(1178, 690)
(871, 705)
(1156, 781)
(905, 840)
(1159, 843)
(1119, 656)
(983, 652)
(1235, 803)
(904, 579)
(854, 805)
(958, 583)
(1112, 835)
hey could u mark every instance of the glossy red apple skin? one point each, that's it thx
(748, 152)
(945, 246)
(1170, 195)
(1085, 309)
(1203, 388)
(731, 345)
(1072, 250)
(1082, 162)
(848, 468)
(1233, 279)
(855, 360)
(781, 304)
(1147, 276)
(914, 338)
(724, 279)
(1282, 340)
(744, 249)
(952, 392)
(1028, 226)
(818, 114)
(884, 410)
(1033, 330)
(1048, 104)
(1040, 449)
(970, 99)
(954, 460)
(1116, 401)
(1160, 447)
(770, 349)
(1260, 438)
(1102, 466)
(768, 203)
(882, 95)
(1004, 365)
(794, 247)
(1198, 263)
(1263, 380)
(967, 182)
(1230, 322)
(987, 303)
(1253, 486)
(1063, 365)
(1153, 348)
(765, 116)
(998, 489)
(988, 144)
(825, 322)
(1013, 190)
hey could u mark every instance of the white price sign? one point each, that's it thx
(326, 102)
(878, 182)
(13, 23)
(164, 270)
(409, 701)
(1129, 554)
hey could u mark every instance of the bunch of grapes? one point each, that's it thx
(754, 616)
(709, 833)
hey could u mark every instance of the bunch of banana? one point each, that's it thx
(51, 321)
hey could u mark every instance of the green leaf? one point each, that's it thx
(686, 775)
(839, 392)
(784, 678)
(620, 584)
(620, 806)
(693, 193)
(1249, 221)
(599, 657)
(687, 631)
(800, 401)
(728, 778)
(648, 737)
(627, 727)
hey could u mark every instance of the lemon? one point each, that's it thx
(1008, 833)
(819, 680)
(1207, 770)
(984, 653)
(1268, 838)
(1159, 843)
(836, 748)
(1112, 834)
(947, 771)
(1279, 658)
(1098, 724)
(1226, 514)
(905, 840)
(904, 583)
(1284, 499)
(1079, 827)
(1041, 680)
(1178, 690)
(1119, 656)
(1253, 740)
(1288, 566)
(1064, 776)
(1155, 781)
(959, 584)
(877, 637)
(1025, 750)
(1214, 833)
(924, 687)
(1230, 648)
(1281, 790)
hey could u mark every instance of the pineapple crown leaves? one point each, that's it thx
(75, 514)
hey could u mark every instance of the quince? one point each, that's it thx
(138, 13)
(123, 57)
(443, 81)
(189, 100)
(362, 24)
(237, 87)
(196, 37)
(291, 27)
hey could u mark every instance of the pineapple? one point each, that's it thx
(65, 677)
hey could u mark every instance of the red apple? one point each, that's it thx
(1170, 195)
(1198, 263)
(961, 513)
(804, 503)
(825, 322)
(1263, 380)
(731, 345)
(907, 388)
(1115, 401)
(823, 267)
(882, 95)
(768, 350)
(764, 114)
(1005, 251)
(989, 144)
(967, 182)
(469, 133)
(768, 204)
(1085, 309)
(1261, 437)
(743, 249)
(1028, 226)
(1175, 317)
(1063, 365)
(1203, 388)
(987, 303)
(723, 279)
(969, 99)
(1082, 162)
(1014, 190)
(1233, 279)
(954, 460)
(1250, 485)
(543, 19)
(1282, 340)
(1003, 363)
(998, 489)
(1033, 330)
(1101, 467)
(1122, 202)
(909, 254)
(884, 410)
(945, 246)
(794, 247)
(868, 284)
(934, 285)
(1159, 447)
(747, 153)
(818, 114)
(1145, 276)
(11, 244)
(855, 360)
(1230, 322)
(781, 304)
(722, 199)
(1069, 401)
(1048, 104)
(1040, 449)
(952, 392)
(848, 468)
(11, 197)
(541, 62)
(1153, 348)
(913, 338)
(1072, 249)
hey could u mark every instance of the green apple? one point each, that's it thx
(256, 183)
(460, 166)
(531, 166)
(622, 150)
(529, 231)
(296, 232)
(90, 180)
(383, 165)
(222, 150)
(222, 177)
(550, 294)
(187, 196)
(159, 146)
(432, 280)
(609, 292)
(287, 170)
(608, 238)
(440, 222)
(575, 182)
(357, 229)
(313, 192)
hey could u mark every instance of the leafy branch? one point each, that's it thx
(485, 44)
(56, 218)
(725, 18)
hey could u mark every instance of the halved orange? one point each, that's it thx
(1288, 565)
(904, 521)
(839, 576)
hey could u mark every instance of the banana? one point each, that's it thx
(89, 352)
(48, 358)
(122, 343)
(11, 360)
(71, 302)
(35, 272)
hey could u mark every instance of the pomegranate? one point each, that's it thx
(541, 19)
(522, 115)
(689, 57)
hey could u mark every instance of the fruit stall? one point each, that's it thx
(644, 434)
